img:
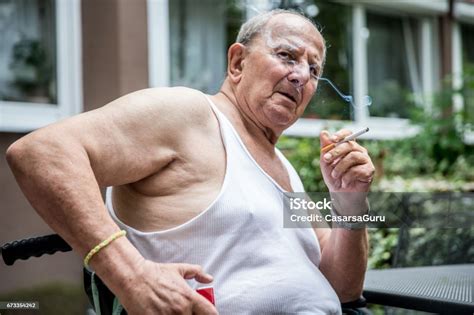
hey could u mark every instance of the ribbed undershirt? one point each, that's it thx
(258, 266)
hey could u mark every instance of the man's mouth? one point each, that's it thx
(289, 96)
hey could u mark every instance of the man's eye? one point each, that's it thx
(284, 55)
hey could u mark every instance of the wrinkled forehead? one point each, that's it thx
(292, 30)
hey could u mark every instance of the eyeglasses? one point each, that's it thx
(365, 101)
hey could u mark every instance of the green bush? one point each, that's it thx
(303, 154)
(438, 247)
(382, 245)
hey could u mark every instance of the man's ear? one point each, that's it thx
(235, 60)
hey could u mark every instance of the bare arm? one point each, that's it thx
(344, 253)
(344, 260)
(60, 169)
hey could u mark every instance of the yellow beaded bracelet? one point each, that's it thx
(101, 245)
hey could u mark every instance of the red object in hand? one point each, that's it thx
(208, 293)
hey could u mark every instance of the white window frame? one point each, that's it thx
(25, 117)
(158, 43)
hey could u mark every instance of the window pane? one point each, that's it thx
(235, 17)
(200, 32)
(392, 58)
(28, 51)
(467, 34)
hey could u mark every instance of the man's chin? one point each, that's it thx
(281, 118)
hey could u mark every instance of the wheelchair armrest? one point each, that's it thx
(359, 303)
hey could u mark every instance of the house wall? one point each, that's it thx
(115, 51)
(115, 62)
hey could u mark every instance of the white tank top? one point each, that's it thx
(258, 266)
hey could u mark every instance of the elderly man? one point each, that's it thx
(197, 184)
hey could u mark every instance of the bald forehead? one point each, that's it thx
(294, 28)
(289, 18)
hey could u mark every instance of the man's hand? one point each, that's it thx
(347, 167)
(162, 289)
(347, 171)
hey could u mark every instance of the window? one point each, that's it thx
(393, 64)
(467, 37)
(188, 41)
(467, 34)
(28, 50)
(334, 19)
(200, 33)
(39, 62)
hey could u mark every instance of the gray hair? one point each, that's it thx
(256, 26)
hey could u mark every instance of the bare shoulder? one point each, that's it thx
(182, 102)
(133, 136)
(172, 107)
(157, 116)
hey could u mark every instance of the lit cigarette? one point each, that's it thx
(346, 139)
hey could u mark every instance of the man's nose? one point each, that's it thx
(300, 75)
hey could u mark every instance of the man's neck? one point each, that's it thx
(265, 136)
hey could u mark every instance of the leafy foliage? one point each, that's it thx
(437, 247)
(304, 156)
(382, 244)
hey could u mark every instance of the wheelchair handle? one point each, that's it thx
(36, 246)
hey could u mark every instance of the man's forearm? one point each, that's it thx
(344, 261)
(60, 185)
(58, 181)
